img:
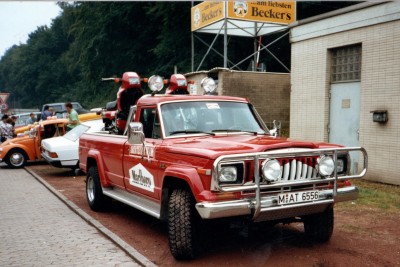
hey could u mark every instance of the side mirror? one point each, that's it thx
(276, 130)
(135, 133)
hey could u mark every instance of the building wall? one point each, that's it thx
(380, 89)
(268, 92)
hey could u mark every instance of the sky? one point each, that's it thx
(19, 18)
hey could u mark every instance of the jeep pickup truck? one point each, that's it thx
(187, 158)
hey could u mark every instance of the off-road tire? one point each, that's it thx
(13, 164)
(319, 227)
(94, 193)
(182, 222)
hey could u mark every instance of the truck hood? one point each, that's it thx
(215, 146)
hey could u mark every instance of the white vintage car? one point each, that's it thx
(62, 151)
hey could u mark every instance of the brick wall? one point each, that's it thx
(380, 89)
(268, 92)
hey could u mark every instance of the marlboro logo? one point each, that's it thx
(140, 177)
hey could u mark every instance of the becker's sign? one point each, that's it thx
(263, 11)
(207, 13)
(271, 12)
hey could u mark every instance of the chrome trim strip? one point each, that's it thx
(283, 207)
(346, 194)
(147, 206)
(258, 189)
(105, 133)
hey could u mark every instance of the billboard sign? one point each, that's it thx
(208, 16)
(207, 13)
(278, 12)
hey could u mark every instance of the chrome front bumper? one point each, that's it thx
(270, 210)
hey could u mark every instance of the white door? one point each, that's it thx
(345, 117)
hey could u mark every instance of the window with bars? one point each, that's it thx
(346, 64)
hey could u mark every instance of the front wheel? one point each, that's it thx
(182, 221)
(16, 159)
(319, 227)
(94, 192)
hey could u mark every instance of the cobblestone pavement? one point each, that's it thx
(37, 229)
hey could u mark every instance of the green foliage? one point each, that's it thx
(90, 40)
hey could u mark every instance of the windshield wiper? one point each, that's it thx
(235, 131)
(190, 132)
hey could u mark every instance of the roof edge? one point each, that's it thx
(335, 13)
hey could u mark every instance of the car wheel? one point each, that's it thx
(16, 159)
(182, 220)
(319, 227)
(94, 193)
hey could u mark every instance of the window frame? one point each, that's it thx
(345, 63)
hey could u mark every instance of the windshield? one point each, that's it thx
(180, 118)
(76, 132)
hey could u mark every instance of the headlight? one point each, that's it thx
(228, 174)
(156, 83)
(340, 166)
(271, 170)
(208, 84)
(326, 166)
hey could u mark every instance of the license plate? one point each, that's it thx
(297, 197)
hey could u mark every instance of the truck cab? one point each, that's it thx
(188, 158)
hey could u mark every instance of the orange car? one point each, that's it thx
(82, 117)
(17, 151)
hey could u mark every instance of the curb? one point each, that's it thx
(132, 252)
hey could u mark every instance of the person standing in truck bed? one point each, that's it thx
(73, 117)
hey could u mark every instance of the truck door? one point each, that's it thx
(141, 165)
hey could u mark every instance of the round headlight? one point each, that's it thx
(228, 174)
(156, 83)
(208, 84)
(326, 166)
(271, 170)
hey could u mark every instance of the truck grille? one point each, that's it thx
(298, 169)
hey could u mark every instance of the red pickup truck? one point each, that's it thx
(188, 158)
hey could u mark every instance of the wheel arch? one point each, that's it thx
(179, 178)
(27, 152)
(94, 159)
